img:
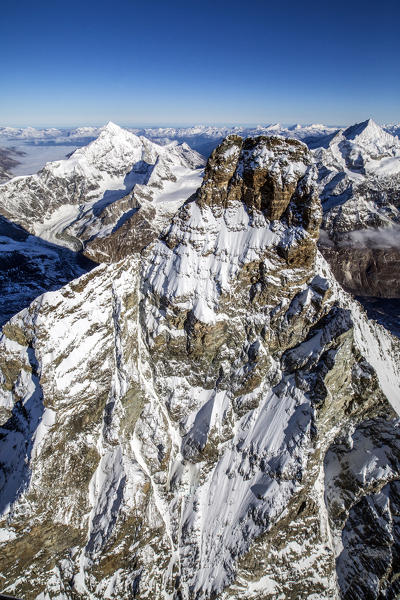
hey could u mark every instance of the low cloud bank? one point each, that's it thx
(384, 237)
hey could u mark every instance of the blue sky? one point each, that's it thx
(175, 62)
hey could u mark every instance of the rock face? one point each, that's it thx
(213, 417)
(359, 180)
(366, 271)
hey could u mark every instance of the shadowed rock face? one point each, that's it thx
(131, 237)
(366, 271)
(29, 266)
(190, 421)
(8, 159)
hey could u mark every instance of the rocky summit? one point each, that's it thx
(210, 417)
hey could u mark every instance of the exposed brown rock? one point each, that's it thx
(366, 271)
(258, 172)
(134, 235)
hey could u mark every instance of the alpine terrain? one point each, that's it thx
(359, 179)
(207, 414)
(108, 198)
(52, 143)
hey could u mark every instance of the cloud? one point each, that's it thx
(384, 237)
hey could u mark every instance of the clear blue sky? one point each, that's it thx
(184, 62)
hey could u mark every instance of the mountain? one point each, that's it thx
(117, 179)
(29, 132)
(51, 134)
(364, 148)
(9, 158)
(211, 417)
(393, 128)
(359, 181)
(204, 138)
(109, 198)
(359, 177)
(44, 145)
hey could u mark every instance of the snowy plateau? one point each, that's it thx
(192, 407)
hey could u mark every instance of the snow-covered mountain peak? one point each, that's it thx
(112, 131)
(364, 149)
(273, 127)
(369, 132)
(257, 193)
(114, 151)
(359, 179)
(318, 126)
(89, 194)
(112, 128)
(117, 135)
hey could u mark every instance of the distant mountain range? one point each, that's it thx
(42, 145)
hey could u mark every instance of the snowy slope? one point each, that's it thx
(73, 201)
(180, 424)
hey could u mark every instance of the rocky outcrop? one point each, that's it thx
(185, 422)
(365, 271)
(265, 179)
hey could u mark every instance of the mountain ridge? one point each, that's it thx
(207, 402)
(73, 201)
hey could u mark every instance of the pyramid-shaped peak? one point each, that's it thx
(112, 128)
(115, 134)
(368, 131)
